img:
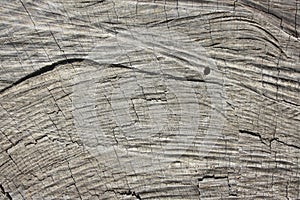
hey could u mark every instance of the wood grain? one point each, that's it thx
(149, 99)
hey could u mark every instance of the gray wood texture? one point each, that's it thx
(121, 99)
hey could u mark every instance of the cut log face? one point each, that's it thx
(149, 100)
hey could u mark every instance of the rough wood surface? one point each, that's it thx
(120, 99)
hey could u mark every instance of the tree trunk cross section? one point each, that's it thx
(123, 99)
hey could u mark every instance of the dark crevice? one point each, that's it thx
(292, 103)
(286, 144)
(132, 193)
(253, 134)
(74, 182)
(128, 192)
(43, 70)
(5, 193)
(233, 194)
(268, 140)
(212, 177)
(250, 133)
(52, 66)
(29, 15)
(167, 76)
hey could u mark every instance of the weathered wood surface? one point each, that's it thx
(149, 99)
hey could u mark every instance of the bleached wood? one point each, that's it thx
(121, 99)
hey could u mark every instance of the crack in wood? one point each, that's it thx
(253, 134)
(212, 177)
(128, 192)
(42, 70)
(6, 194)
(269, 140)
(52, 66)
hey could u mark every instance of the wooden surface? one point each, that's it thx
(149, 99)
